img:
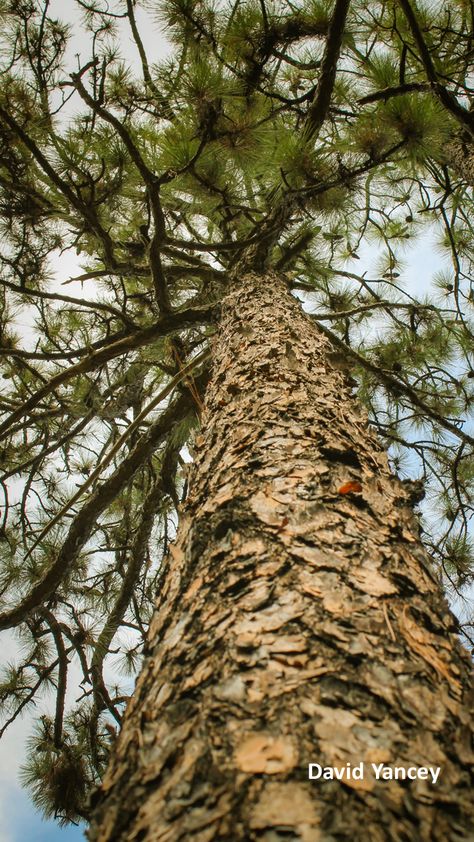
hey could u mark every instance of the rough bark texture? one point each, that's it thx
(460, 155)
(299, 622)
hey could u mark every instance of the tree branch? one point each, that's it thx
(319, 108)
(86, 211)
(120, 442)
(62, 675)
(69, 299)
(164, 102)
(146, 173)
(396, 387)
(153, 188)
(396, 90)
(462, 115)
(83, 523)
(137, 557)
(163, 327)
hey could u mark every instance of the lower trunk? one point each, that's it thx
(300, 622)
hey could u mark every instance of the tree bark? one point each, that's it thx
(300, 622)
(459, 155)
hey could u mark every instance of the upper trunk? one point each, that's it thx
(459, 155)
(300, 621)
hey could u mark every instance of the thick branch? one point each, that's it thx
(147, 175)
(161, 396)
(166, 325)
(153, 185)
(395, 90)
(137, 557)
(83, 524)
(319, 108)
(62, 675)
(464, 117)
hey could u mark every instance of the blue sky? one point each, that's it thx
(20, 821)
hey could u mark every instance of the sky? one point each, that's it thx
(18, 818)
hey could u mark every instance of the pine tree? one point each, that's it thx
(300, 618)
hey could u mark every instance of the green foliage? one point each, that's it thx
(423, 125)
(57, 777)
(458, 552)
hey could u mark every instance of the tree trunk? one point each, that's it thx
(300, 622)
(459, 154)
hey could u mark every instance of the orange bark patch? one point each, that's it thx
(351, 487)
